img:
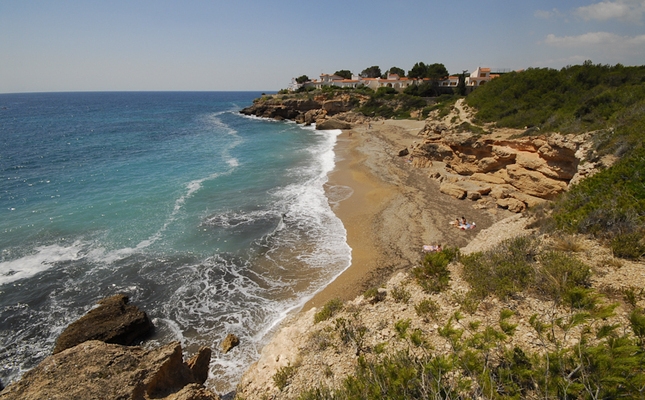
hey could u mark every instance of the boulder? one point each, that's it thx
(331, 123)
(98, 370)
(474, 195)
(229, 342)
(113, 321)
(403, 152)
(511, 204)
(452, 190)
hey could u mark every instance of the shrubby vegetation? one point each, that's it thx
(574, 99)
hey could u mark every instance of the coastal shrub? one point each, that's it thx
(628, 245)
(374, 295)
(283, 376)
(609, 205)
(433, 274)
(427, 309)
(352, 331)
(564, 100)
(400, 294)
(328, 310)
(507, 327)
(559, 273)
(502, 271)
(402, 376)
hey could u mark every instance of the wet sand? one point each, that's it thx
(394, 209)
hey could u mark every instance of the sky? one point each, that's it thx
(214, 45)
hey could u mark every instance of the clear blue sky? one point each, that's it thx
(80, 45)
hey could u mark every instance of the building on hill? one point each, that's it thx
(480, 76)
(477, 78)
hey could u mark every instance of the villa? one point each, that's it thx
(479, 77)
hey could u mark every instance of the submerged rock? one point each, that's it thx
(113, 321)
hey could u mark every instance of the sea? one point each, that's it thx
(210, 221)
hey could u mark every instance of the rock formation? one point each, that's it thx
(91, 360)
(97, 370)
(113, 321)
(512, 172)
(317, 110)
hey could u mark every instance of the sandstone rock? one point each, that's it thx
(499, 192)
(530, 201)
(452, 190)
(229, 342)
(331, 123)
(511, 204)
(478, 176)
(97, 370)
(488, 164)
(474, 195)
(311, 116)
(534, 183)
(113, 321)
(333, 107)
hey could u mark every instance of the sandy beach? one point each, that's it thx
(394, 209)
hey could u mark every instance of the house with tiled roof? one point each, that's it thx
(480, 76)
(477, 78)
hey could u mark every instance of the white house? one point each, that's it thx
(480, 76)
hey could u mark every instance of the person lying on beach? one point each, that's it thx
(428, 248)
(467, 225)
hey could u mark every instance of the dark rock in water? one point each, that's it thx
(114, 321)
(97, 370)
(229, 342)
(404, 152)
(332, 123)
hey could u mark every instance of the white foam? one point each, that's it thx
(43, 259)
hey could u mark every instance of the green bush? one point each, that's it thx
(427, 309)
(559, 273)
(628, 245)
(433, 274)
(283, 376)
(503, 271)
(328, 310)
(400, 294)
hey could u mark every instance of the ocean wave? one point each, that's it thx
(44, 258)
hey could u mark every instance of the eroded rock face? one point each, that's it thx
(98, 370)
(536, 166)
(281, 109)
(113, 321)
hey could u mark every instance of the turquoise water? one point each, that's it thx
(212, 222)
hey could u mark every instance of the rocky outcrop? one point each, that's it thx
(521, 172)
(113, 321)
(229, 342)
(97, 370)
(307, 110)
(332, 123)
(276, 108)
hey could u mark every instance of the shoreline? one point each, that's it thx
(394, 209)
